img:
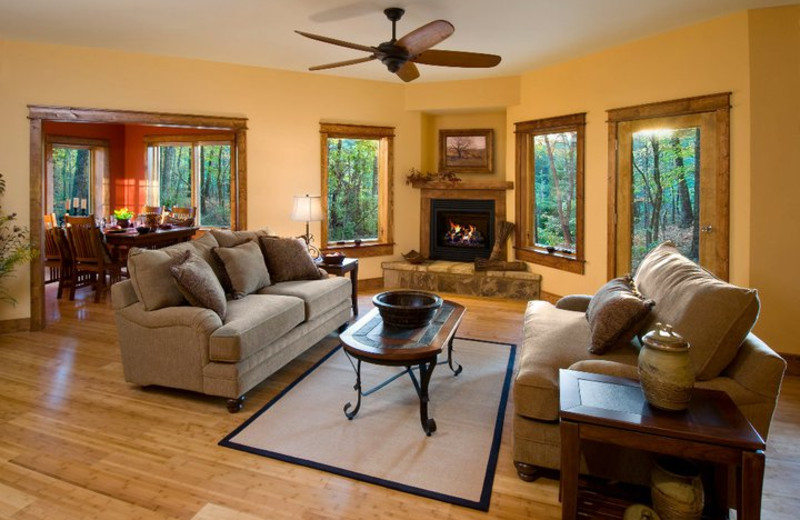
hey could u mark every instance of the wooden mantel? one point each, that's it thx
(464, 185)
(465, 190)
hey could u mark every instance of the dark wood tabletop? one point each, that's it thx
(368, 338)
(153, 239)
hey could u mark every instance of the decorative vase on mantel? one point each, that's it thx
(665, 369)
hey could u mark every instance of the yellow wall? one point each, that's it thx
(757, 49)
(775, 166)
(284, 110)
(701, 59)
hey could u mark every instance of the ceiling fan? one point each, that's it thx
(400, 56)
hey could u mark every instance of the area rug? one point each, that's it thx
(385, 444)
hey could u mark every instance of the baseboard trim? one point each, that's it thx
(17, 325)
(549, 297)
(370, 283)
(793, 364)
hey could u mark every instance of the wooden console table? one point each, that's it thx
(613, 410)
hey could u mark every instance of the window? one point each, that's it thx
(192, 173)
(550, 191)
(670, 181)
(77, 177)
(357, 189)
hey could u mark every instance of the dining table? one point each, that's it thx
(121, 240)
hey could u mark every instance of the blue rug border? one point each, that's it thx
(491, 466)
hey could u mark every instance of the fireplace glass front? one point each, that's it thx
(461, 230)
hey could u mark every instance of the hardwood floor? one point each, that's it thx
(77, 441)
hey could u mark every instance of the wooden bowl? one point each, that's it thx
(407, 309)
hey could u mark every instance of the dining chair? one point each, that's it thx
(57, 258)
(90, 256)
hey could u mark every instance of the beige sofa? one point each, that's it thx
(713, 316)
(166, 341)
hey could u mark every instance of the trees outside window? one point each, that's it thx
(550, 191)
(76, 179)
(356, 168)
(192, 173)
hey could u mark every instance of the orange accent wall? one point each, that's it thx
(127, 154)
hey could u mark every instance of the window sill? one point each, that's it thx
(559, 261)
(364, 250)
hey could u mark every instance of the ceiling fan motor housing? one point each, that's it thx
(393, 56)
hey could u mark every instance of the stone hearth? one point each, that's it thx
(461, 278)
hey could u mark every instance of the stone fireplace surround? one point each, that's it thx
(460, 277)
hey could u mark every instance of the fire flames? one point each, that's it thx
(463, 236)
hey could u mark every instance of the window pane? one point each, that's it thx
(72, 173)
(352, 189)
(555, 174)
(175, 175)
(215, 185)
(665, 191)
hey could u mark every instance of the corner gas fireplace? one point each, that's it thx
(461, 229)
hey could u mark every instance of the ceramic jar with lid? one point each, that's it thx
(665, 369)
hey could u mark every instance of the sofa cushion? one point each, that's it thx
(553, 339)
(245, 267)
(229, 238)
(712, 315)
(252, 323)
(288, 259)
(319, 296)
(615, 313)
(198, 283)
(152, 280)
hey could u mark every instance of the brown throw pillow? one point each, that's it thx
(288, 259)
(615, 314)
(245, 267)
(150, 275)
(198, 283)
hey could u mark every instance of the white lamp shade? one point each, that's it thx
(307, 208)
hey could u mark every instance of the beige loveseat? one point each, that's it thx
(166, 341)
(713, 316)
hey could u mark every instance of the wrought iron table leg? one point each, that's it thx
(425, 373)
(458, 370)
(357, 388)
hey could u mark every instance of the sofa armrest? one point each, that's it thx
(198, 318)
(574, 302)
(123, 295)
(757, 368)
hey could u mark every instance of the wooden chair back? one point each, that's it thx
(182, 216)
(152, 209)
(50, 221)
(85, 242)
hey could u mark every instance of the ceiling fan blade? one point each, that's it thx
(342, 63)
(408, 72)
(427, 36)
(457, 59)
(340, 43)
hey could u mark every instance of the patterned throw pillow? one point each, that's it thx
(245, 267)
(198, 283)
(288, 259)
(615, 314)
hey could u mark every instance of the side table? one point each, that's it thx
(348, 265)
(613, 410)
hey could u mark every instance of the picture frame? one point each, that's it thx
(466, 151)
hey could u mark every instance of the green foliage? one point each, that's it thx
(555, 170)
(71, 177)
(664, 191)
(352, 189)
(215, 185)
(15, 246)
(175, 175)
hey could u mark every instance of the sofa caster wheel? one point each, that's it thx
(527, 472)
(234, 405)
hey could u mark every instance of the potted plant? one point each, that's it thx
(15, 246)
(123, 217)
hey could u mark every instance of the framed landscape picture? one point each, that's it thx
(466, 151)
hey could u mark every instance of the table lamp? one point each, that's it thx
(307, 208)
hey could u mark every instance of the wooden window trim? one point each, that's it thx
(524, 198)
(718, 104)
(384, 245)
(37, 114)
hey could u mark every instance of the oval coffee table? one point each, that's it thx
(368, 340)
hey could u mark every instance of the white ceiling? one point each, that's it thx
(527, 33)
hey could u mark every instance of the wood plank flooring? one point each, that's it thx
(77, 441)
